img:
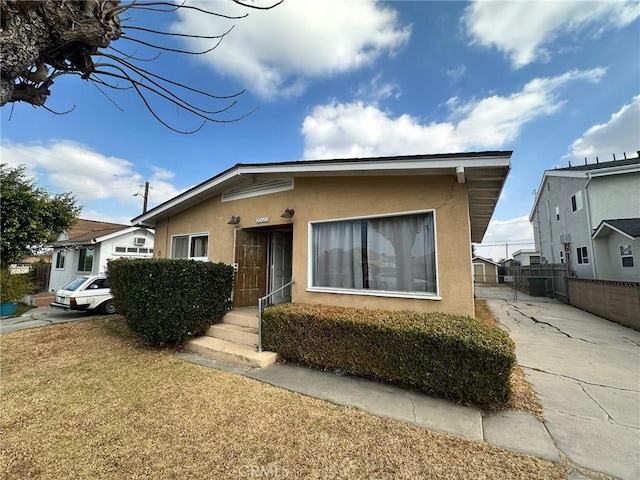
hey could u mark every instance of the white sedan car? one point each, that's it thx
(88, 292)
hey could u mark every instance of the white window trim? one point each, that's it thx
(55, 263)
(190, 235)
(581, 260)
(369, 292)
(577, 195)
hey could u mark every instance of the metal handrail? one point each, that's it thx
(261, 305)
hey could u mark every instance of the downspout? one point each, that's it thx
(588, 207)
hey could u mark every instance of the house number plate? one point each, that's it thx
(262, 219)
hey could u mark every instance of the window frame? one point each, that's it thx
(84, 263)
(582, 255)
(626, 253)
(190, 237)
(60, 255)
(367, 292)
(576, 199)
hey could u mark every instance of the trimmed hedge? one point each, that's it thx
(170, 301)
(451, 356)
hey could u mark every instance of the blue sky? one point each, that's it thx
(552, 81)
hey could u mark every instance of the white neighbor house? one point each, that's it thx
(579, 208)
(87, 246)
(526, 257)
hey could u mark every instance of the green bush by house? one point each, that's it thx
(170, 301)
(451, 356)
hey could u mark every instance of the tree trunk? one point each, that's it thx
(62, 34)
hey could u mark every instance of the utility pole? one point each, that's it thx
(146, 197)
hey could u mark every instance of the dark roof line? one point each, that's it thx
(436, 156)
(630, 226)
(600, 165)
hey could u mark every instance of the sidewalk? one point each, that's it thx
(517, 431)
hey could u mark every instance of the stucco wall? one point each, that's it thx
(615, 301)
(617, 196)
(609, 261)
(326, 198)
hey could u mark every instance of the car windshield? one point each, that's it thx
(75, 284)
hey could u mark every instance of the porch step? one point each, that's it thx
(243, 317)
(234, 333)
(230, 352)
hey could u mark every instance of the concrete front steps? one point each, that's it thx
(233, 340)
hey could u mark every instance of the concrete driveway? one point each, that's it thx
(43, 316)
(586, 372)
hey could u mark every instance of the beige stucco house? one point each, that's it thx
(387, 232)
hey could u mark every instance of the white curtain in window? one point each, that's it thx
(402, 253)
(180, 247)
(199, 246)
(388, 254)
(338, 255)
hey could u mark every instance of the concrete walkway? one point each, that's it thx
(586, 372)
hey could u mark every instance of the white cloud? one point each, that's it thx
(457, 72)
(275, 53)
(525, 30)
(504, 236)
(96, 180)
(377, 90)
(357, 129)
(621, 134)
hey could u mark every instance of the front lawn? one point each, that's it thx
(86, 400)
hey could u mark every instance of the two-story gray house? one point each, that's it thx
(577, 217)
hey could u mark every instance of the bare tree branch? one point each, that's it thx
(41, 40)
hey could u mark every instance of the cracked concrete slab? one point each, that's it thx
(596, 445)
(377, 398)
(520, 432)
(586, 371)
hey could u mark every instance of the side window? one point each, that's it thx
(583, 257)
(60, 259)
(194, 247)
(626, 254)
(85, 260)
(576, 201)
(99, 283)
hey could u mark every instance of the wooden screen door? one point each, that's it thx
(251, 258)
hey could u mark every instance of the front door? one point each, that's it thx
(281, 260)
(251, 259)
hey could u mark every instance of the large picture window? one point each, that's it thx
(194, 247)
(388, 254)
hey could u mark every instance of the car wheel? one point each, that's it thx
(108, 307)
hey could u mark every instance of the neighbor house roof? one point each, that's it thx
(629, 227)
(86, 231)
(482, 259)
(586, 171)
(483, 172)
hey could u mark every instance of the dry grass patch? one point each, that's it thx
(86, 400)
(524, 397)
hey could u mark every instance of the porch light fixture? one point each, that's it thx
(288, 213)
(233, 220)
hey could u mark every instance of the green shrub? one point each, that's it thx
(169, 301)
(450, 356)
(13, 288)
